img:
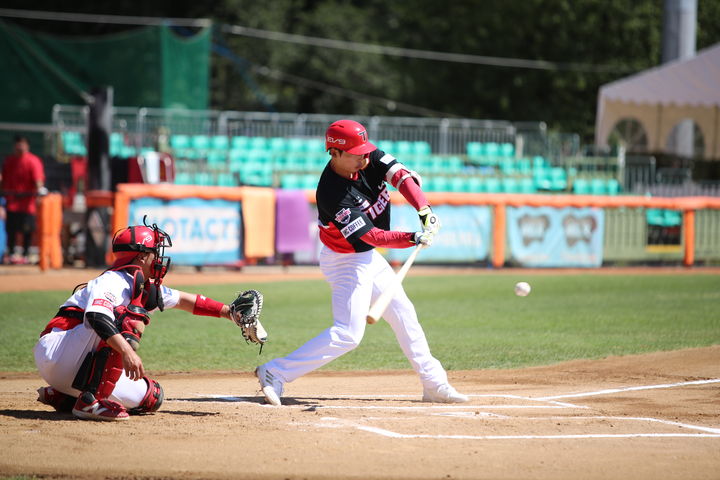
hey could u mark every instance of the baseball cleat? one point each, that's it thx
(272, 387)
(61, 402)
(444, 394)
(88, 407)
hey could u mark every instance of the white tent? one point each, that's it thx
(662, 97)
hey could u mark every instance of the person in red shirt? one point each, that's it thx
(22, 180)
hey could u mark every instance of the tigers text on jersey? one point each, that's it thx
(348, 209)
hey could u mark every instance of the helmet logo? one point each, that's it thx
(339, 141)
(363, 135)
(147, 240)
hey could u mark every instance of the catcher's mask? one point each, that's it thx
(131, 241)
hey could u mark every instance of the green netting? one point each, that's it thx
(149, 67)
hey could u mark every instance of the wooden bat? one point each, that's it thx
(378, 308)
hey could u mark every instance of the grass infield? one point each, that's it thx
(471, 321)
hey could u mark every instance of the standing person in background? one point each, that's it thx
(354, 216)
(22, 181)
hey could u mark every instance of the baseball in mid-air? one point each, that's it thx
(522, 289)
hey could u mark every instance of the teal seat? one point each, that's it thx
(404, 148)
(493, 185)
(507, 166)
(542, 178)
(226, 180)
(581, 187)
(526, 185)
(655, 217)
(315, 145)
(507, 150)
(558, 179)
(475, 185)
(296, 145)
(179, 142)
(597, 186)
(219, 142)
(258, 143)
(117, 141)
(539, 162)
(421, 148)
(240, 143)
(310, 181)
(457, 184)
(216, 159)
(492, 149)
(200, 142)
(613, 187)
(523, 166)
(127, 151)
(183, 178)
(454, 164)
(475, 151)
(277, 145)
(673, 218)
(509, 185)
(203, 178)
(441, 184)
(386, 146)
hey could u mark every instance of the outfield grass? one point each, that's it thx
(472, 322)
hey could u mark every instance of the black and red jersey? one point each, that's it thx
(348, 209)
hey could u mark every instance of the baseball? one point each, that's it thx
(522, 289)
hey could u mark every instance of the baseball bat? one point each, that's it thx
(382, 302)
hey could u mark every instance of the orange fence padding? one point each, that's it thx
(50, 216)
(258, 209)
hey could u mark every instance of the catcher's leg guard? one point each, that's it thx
(96, 379)
(61, 402)
(152, 400)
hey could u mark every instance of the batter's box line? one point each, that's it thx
(339, 423)
(629, 389)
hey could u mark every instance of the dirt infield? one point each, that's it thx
(641, 417)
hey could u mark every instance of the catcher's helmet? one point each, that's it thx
(131, 241)
(348, 136)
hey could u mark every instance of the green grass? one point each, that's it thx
(472, 321)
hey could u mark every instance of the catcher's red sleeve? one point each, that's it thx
(207, 306)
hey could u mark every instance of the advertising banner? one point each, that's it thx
(556, 237)
(464, 234)
(203, 232)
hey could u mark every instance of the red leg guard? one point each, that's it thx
(152, 399)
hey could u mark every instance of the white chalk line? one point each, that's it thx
(630, 389)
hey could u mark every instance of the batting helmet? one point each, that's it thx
(348, 136)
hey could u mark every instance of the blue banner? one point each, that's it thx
(464, 233)
(556, 237)
(203, 232)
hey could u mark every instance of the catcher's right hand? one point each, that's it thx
(245, 312)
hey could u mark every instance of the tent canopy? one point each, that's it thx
(662, 96)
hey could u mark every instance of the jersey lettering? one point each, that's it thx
(101, 302)
(356, 224)
(373, 211)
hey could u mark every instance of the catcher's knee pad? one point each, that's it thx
(152, 400)
(99, 372)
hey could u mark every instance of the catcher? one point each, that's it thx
(87, 353)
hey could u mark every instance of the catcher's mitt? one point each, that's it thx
(245, 312)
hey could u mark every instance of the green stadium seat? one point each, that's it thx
(539, 162)
(183, 178)
(655, 216)
(507, 150)
(524, 166)
(454, 164)
(509, 185)
(296, 145)
(441, 184)
(216, 159)
(127, 151)
(179, 142)
(613, 187)
(507, 166)
(258, 143)
(277, 145)
(421, 148)
(291, 181)
(315, 145)
(581, 186)
(240, 143)
(542, 178)
(597, 186)
(386, 146)
(673, 218)
(200, 142)
(457, 184)
(475, 151)
(492, 185)
(475, 185)
(404, 148)
(309, 181)
(527, 185)
(226, 180)
(219, 142)
(558, 179)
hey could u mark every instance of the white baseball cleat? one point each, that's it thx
(272, 387)
(444, 394)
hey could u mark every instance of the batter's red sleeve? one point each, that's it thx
(388, 238)
(412, 192)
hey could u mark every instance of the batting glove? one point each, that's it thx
(424, 237)
(429, 220)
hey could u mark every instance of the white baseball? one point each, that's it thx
(522, 289)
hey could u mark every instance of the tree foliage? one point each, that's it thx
(259, 74)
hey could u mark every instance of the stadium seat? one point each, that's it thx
(201, 142)
(421, 148)
(457, 184)
(581, 186)
(542, 178)
(509, 185)
(492, 185)
(216, 160)
(386, 146)
(219, 142)
(475, 185)
(475, 151)
(655, 216)
(290, 181)
(404, 148)
(441, 184)
(597, 186)
(558, 179)
(277, 145)
(240, 143)
(258, 143)
(507, 150)
(179, 142)
(613, 187)
(526, 185)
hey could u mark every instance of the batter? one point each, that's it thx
(354, 217)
